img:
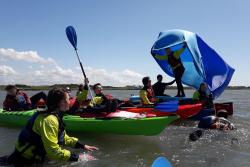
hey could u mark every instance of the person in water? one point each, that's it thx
(174, 60)
(147, 93)
(44, 135)
(204, 96)
(159, 87)
(17, 100)
(219, 122)
(215, 122)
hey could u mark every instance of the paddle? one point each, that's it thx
(171, 106)
(161, 162)
(72, 37)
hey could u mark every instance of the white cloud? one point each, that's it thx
(49, 72)
(6, 70)
(114, 78)
(48, 75)
(28, 56)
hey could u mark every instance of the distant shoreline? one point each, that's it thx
(75, 87)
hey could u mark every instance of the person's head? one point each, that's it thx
(80, 87)
(168, 51)
(67, 89)
(11, 90)
(222, 113)
(58, 100)
(159, 78)
(97, 88)
(203, 87)
(146, 81)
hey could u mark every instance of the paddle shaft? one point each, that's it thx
(85, 77)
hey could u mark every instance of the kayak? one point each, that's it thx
(184, 111)
(136, 99)
(75, 123)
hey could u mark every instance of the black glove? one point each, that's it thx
(74, 157)
(79, 145)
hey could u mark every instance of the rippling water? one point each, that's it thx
(217, 149)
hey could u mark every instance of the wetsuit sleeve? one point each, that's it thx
(178, 53)
(143, 96)
(49, 136)
(169, 83)
(160, 57)
(82, 95)
(196, 95)
(70, 141)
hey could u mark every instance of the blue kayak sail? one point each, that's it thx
(201, 62)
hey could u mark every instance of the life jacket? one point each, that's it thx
(174, 62)
(110, 103)
(105, 98)
(15, 102)
(30, 138)
(150, 92)
(205, 99)
(202, 96)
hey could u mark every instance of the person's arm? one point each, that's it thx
(178, 53)
(170, 83)
(74, 142)
(49, 136)
(82, 96)
(196, 95)
(4, 106)
(9, 105)
(27, 99)
(160, 57)
(144, 97)
(69, 141)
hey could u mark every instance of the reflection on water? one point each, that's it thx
(218, 149)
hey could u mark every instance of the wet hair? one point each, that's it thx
(202, 84)
(95, 85)
(55, 95)
(159, 76)
(9, 87)
(145, 80)
(222, 113)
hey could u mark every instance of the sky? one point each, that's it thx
(114, 38)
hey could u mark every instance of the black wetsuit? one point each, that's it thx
(159, 88)
(178, 72)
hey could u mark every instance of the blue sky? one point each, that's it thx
(114, 37)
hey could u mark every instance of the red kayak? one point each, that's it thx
(184, 111)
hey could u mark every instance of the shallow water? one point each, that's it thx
(217, 149)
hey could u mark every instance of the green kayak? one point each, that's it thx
(74, 123)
